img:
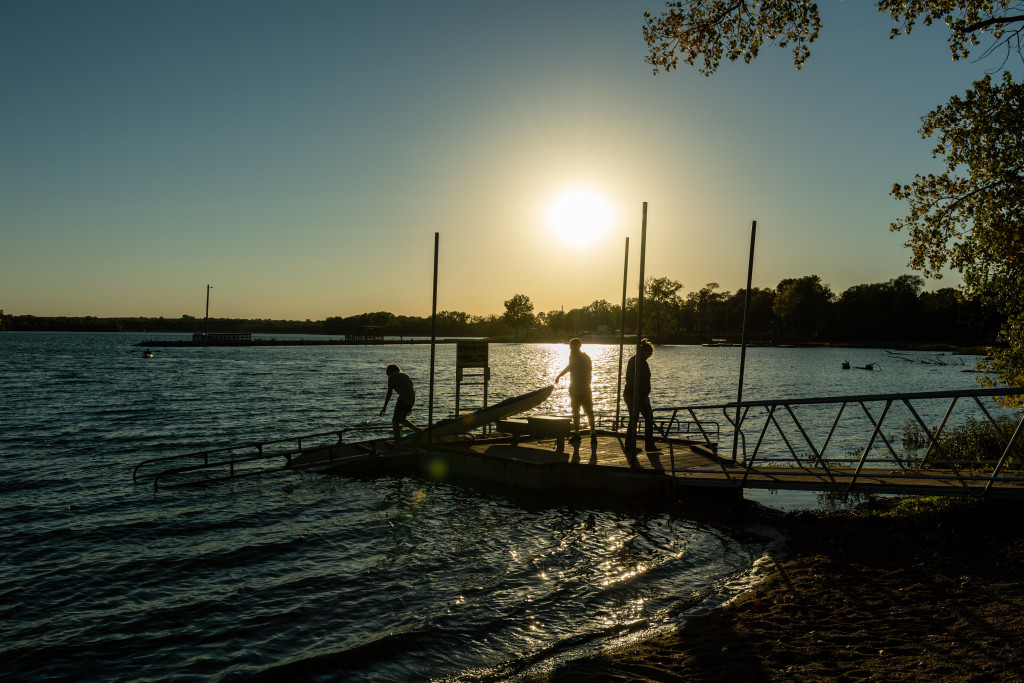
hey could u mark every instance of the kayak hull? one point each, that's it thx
(485, 416)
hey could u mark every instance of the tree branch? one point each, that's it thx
(956, 201)
(990, 22)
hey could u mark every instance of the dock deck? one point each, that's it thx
(609, 451)
(539, 465)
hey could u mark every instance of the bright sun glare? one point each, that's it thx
(580, 217)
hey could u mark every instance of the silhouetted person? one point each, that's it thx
(579, 369)
(638, 385)
(400, 383)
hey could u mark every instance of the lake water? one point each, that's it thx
(326, 578)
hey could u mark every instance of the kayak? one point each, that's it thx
(484, 416)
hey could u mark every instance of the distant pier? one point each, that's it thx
(245, 339)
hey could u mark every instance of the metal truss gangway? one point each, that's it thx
(898, 443)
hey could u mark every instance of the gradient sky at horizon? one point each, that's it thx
(300, 156)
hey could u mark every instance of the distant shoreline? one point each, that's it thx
(314, 340)
(938, 347)
(187, 343)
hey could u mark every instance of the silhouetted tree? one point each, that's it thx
(661, 306)
(761, 319)
(600, 313)
(705, 303)
(804, 306)
(518, 312)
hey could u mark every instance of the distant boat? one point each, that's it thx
(147, 354)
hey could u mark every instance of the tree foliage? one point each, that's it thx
(710, 30)
(519, 312)
(971, 216)
(891, 308)
(1001, 19)
(704, 303)
(662, 304)
(804, 305)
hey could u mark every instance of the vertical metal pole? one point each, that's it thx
(208, 310)
(640, 296)
(458, 389)
(622, 334)
(743, 340)
(433, 344)
(639, 326)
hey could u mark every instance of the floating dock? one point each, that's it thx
(539, 465)
(534, 454)
(551, 466)
(535, 465)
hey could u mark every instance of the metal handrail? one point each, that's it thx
(232, 474)
(843, 472)
(261, 454)
(188, 469)
(673, 424)
(913, 395)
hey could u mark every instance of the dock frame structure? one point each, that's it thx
(858, 451)
(864, 447)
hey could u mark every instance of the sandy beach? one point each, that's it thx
(888, 591)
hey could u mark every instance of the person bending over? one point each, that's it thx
(400, 383)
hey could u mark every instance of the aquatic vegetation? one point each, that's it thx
(975, 443)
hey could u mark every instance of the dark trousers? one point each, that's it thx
(644, 406)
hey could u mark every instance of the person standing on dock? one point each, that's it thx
(580, 370)
(638, 398)
(400, 383)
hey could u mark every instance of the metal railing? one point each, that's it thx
(785, 439)
(234, 458)
(676, 423)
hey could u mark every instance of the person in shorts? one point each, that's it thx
(401, 384)
(579, 369)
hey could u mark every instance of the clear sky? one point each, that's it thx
(299, 156)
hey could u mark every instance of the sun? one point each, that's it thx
(580, 217)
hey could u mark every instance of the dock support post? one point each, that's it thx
(433, 344)
(622, 335)
(743, 340)
(639, 329)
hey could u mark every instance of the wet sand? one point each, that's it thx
(862, 595)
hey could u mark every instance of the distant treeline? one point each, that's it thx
(798, 310)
